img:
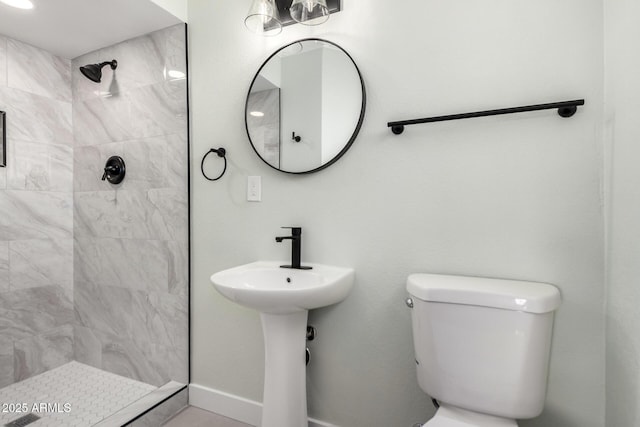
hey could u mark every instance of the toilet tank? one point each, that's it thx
(483, 344)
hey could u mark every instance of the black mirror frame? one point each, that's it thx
(358, 125)
(3, 138)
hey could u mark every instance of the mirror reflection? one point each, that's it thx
(305, 106)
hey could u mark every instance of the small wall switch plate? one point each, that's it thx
(254, 188)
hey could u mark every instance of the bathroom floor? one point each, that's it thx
(196, 417)
(72, 395)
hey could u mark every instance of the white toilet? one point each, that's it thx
(482, 347)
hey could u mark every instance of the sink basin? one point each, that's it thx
(266, 287)
(284, 296)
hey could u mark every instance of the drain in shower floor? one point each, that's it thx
(23, 421)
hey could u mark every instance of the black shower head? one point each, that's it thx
(94, 71)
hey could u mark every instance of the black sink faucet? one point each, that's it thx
(296, 246)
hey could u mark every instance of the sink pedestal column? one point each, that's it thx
(285, 376)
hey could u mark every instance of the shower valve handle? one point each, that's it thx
(111, 170)
(114, 170)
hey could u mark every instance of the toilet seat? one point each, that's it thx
(450, 416)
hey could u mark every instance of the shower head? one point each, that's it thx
(94, 71)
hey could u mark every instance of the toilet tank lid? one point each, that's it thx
(530, 297)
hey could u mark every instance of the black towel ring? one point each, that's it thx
(221, 153)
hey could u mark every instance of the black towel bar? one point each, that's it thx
(565, 109)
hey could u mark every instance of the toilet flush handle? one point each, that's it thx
(409, 302)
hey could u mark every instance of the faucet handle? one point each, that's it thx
(296, 231)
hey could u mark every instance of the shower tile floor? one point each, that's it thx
(72, 395)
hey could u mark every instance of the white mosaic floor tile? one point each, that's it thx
(73, 395)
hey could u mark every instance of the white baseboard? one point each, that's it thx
(231, 406)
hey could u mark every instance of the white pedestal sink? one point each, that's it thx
(283, 297)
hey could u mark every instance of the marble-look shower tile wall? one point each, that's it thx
(36, 212)
(131, 239)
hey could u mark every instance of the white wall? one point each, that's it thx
(513, 196)
(177, 8)
(622, 65)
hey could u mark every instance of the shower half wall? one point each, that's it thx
(89, 271)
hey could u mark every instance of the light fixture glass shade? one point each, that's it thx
(20, 4)
(309, 12)
(263, 18)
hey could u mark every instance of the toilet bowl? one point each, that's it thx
(482, 347)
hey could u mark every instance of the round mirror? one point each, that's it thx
(305, 106)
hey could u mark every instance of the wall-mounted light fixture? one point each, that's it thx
(267, 17)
